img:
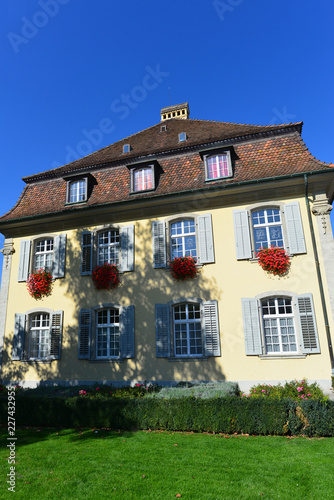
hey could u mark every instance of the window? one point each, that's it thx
(106, 333)
(280, 325)
(112, 245)
(266, 225)
(267, 228)
(143, 179)
(108, 247)
(218, 166)
(126, 148)
(181, 237)
(43, 253)
(187, 329)
(182, 137)
(37, 335)
(76, 191)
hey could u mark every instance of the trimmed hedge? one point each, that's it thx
(225, 415)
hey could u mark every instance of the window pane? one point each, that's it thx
(278, 324)
(183, 238)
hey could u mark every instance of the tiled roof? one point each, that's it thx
(279, 152)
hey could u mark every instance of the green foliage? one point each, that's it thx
(202, 390)
(294, 390)
(258, 416)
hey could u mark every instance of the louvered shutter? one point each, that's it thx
(127, 248)
(55, 334)
(205, 239)
(162, 331)
(211, 328)
(308, 326)
(128, 332)
(294, 227)
(59, 247)
(84, 334)
(24, 260)
(252, 331)
(18, 338)
(159, 243)
(87, 240)
(242, 234)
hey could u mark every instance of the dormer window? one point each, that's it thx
(182, 137)
(126, 148)
(77, 190)
(143, 179)
(218, 166)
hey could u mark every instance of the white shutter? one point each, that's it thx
(308, 326)
(59, 256)
(159, 243)
(162, 331)
(87, 240)
(84, 334)
(55, 334)
(18, 338)
(242, 234)
(252, 331)
(128, 332)
(24, 260)
(127, 248)
(205, 239)
(294, 227)
(211, 328)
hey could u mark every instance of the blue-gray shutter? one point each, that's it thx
(24, 260)
(294, 228)
(211, 328)
(59, 247)
(127, 248)
(84, 334)
(252, 330)
(162, 330)
(55, 334)
(205, 239)
(308, 326)
(87, 241)
(18, 338)
(242, 234)
(159, 243)
(127, 332)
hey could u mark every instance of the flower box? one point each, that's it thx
(39, 284)
(274, 260)
(106, 277)
(183, 268)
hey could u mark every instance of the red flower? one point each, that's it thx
(274, 260)
(105, 277)
(39, 284)
(183, 268)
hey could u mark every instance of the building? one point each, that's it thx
(214, 190)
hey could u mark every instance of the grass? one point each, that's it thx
(91, 464)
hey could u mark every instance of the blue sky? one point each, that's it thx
(78, 75)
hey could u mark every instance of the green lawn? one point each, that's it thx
(75, 464)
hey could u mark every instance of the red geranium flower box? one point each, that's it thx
(39, 284)
(274, 260)
(105, 277)
(183, 268)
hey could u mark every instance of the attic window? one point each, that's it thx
(76, 190)
(182, 137)
(163, 128)
(126, 148)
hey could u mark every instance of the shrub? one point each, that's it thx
(293, 390)
(201, 390)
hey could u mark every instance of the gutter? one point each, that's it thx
(321, 288)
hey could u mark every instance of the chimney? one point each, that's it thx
(177, 111)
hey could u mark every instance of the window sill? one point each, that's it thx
(71, 203)
(113, 360)
(143, 191)
(35, 360)
(201, 358)
(283, 356)
(219, 178)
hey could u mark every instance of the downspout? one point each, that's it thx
(321, 288)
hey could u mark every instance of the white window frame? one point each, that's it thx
(188, 323)
(109, 325)
(207, 157)
(277, 317)
(84, 195)
(142, 169)
(266, 227)
(44, 253)
(183, 136)
(41, 330)
(110, 246)
(183, 235)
